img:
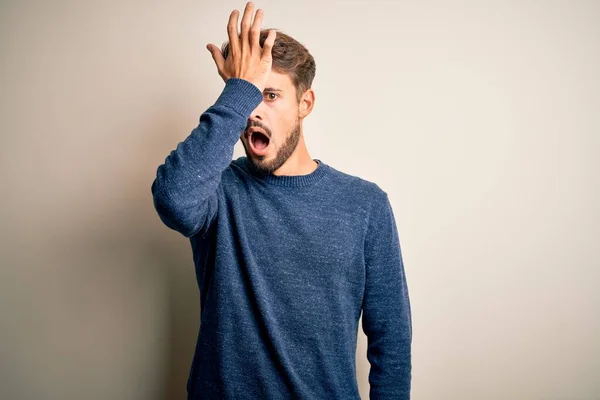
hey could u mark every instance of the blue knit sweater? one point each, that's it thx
(285, 265)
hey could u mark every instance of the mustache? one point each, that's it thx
(257, 125)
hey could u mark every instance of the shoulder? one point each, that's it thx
(364, 190)
(357, 193)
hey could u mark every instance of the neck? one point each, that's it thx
(299, 163)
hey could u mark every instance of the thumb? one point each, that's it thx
(216, 55)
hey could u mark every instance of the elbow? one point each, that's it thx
(173, 213)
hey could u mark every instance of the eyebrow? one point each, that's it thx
(270, 89)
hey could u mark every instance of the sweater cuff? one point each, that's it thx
(241, 95)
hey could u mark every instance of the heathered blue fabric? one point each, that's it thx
(284, 265)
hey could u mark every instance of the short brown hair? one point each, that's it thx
(289, 57)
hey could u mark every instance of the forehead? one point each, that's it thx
(280, 81)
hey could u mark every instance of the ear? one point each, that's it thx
(307, 103)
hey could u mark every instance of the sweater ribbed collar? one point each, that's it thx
(289, 180)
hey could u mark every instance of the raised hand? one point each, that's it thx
(246, 59)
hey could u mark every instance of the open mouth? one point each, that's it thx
(259, 142)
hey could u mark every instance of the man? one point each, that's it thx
(288, 250)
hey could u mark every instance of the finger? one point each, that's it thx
(246, 20)
(268, 44)
(255, 31)
(232, 31)
(217, 57)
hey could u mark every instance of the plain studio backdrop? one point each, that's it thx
(479, 118)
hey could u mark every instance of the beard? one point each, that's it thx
(264, 166)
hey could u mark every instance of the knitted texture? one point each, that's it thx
(285, 265)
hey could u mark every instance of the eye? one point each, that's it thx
(271, 93)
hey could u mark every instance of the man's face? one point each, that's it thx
(277, 116)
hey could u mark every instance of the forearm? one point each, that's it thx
(389, 349)
(185, 188)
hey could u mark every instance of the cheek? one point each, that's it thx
(283, 125)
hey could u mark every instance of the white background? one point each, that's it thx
(480, 119)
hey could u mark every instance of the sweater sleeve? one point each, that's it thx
(186, 184)
(386, 312)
